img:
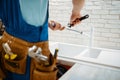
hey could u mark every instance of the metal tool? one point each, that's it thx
(55, 57)
(35, 52)
(80, 19)
(70, 25)
(9, 54)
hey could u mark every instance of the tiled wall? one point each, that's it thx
(104, 18)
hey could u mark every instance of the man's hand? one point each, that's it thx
(55, 25)
(75, 18)
(77, 6)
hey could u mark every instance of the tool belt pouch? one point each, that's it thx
(44, 72)
(2, 74)
(40, 75)
(2, 70)
(17, 65)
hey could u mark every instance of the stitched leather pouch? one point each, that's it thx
(17, 65)
(2, 74)
(40, 75)
(44, 72)
(41, 72)
(2, 70)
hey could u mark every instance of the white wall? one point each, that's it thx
(104, 17)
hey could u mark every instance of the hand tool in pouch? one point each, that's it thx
(55, 57)
(9, 54)
(35, 52)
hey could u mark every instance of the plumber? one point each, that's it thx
(26, 24)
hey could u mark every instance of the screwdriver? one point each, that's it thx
(70, 25)
(82, 18)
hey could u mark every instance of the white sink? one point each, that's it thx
(75, 51)
(80, 53)
(67, 50)
(92, 53)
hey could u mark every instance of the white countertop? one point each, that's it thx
(106, 57)
(110, 58)
(91, 72)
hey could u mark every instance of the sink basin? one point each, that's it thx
(75, 51)
(67, 50)
(92, 53)
(78, 53)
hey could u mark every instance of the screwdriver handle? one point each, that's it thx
(82, 18)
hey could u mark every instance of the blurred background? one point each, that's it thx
(104, 18)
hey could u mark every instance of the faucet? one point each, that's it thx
(91, 37)
(83, 33)
(88, 35)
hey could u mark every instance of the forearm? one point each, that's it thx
(77, 5)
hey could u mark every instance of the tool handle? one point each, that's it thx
(82, 18)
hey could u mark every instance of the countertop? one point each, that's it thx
(91, 72)
(98, 64)
(106, 57)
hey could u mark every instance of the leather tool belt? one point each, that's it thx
(18, 64)
(44, 72)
